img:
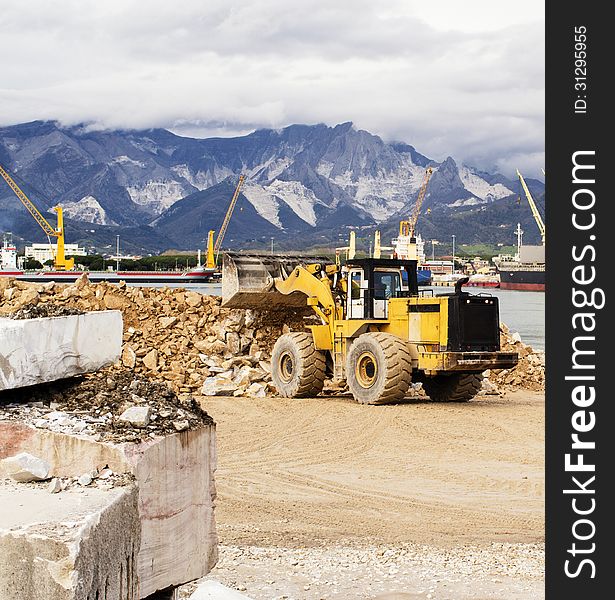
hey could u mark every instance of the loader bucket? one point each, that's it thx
(248, 280)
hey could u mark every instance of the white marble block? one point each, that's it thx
(49, 348)
(174, 476)
(75, 545)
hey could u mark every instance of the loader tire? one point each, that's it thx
(458, 387)
(297, 368)
(378, 368)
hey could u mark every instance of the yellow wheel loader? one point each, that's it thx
(376, 330)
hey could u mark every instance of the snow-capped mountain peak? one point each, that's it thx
(300, 178)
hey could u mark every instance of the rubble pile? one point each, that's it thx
(107, 406)
(198, 347)
(529, 373)
(176, 335)
(36, 311)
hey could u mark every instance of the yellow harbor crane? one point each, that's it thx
(408, 227)
(213, 249)
(534, 208)
(60, 262)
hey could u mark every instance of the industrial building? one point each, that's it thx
(45, 252)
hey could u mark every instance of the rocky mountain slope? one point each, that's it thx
(305, 184)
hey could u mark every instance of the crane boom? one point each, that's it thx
(227, 217)
(38, 217)
(408, 227)
(60, 262)
(533, 207)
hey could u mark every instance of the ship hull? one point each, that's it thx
(137, 277)
(523, 280)
(483, 284)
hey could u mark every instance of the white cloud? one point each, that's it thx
(465, 79)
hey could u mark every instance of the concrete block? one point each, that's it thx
(77, 545)
(45, 349)
(175, 479)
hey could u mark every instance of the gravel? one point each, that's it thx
(497, 572)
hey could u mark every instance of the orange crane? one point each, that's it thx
(213, 250)
(408, 227)
(60, 262)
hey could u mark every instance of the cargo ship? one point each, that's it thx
(523, 277)
(406, 247)
(8, 268)
(484, 280)
(525, 270)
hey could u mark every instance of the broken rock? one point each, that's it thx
(150, 360)
(85, 479)
(166, 322)
(138, 416)
(129, 358)
(214, 590)
(217, 386)
(55, 486)
(256, 390)
(25, 467)
(193, 299)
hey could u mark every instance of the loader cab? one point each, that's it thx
(372, 282)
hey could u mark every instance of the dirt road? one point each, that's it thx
(325, 498)
(328, 469)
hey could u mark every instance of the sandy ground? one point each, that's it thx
(432, 500)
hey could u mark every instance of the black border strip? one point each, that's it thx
(586, 130)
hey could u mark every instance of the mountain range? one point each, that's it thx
(306, 185)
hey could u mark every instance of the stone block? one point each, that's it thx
(35, 351)
(76, 545)
(174, 475)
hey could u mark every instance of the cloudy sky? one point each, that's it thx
(451, 78)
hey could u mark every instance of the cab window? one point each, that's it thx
(386, 285)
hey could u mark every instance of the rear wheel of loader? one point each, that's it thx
(297, 368)
(378, 368)
(458, 387)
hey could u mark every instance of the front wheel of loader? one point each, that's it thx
(378, 368)
(458, 387)
(297, 368)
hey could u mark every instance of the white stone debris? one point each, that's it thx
(85, 479)
(138, 416)
(55, 486)
(25, 467)
(213, 590)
